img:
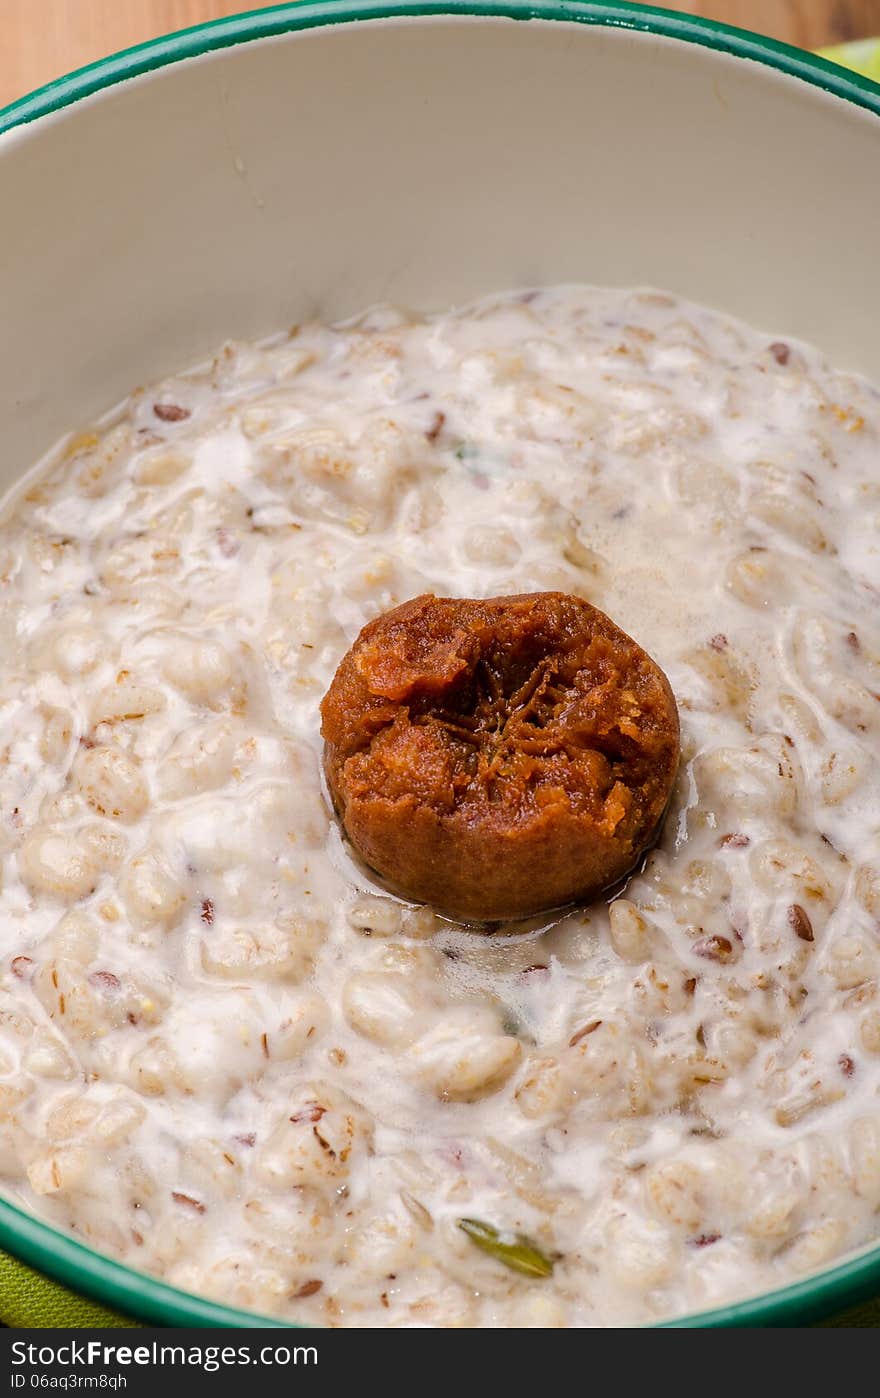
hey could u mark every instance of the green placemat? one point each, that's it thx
(29, 1299)
(863, 56)
(865, 1317)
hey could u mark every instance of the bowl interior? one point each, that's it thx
(423, 161)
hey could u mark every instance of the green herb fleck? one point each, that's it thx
(512, 1025)
(520, 1256)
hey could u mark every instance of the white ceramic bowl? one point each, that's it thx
(313, 158)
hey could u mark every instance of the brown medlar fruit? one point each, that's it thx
(499, 757)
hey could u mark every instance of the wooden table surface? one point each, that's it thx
(43, 38)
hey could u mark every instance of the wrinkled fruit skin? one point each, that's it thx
(502, 757)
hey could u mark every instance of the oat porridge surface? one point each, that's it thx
(231, 1059)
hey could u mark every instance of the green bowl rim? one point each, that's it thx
(275, 20)
(38, 1244)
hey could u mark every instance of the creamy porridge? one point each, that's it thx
(230, 1058)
